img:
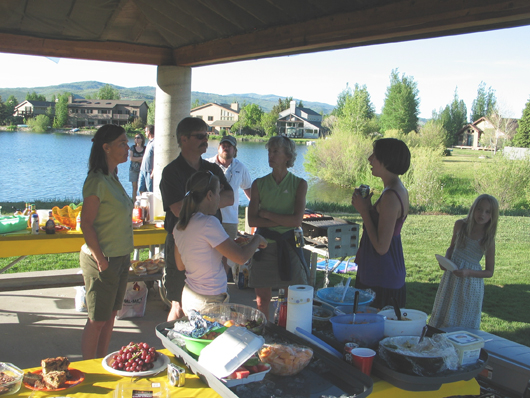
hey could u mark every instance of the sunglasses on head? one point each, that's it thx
(200, 137)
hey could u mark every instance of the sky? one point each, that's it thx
(499, 58)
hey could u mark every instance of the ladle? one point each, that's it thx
(396, 308)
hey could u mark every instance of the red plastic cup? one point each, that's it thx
(362, 358)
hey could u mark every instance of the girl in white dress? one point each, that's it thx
(458, 302)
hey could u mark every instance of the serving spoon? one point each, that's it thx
(396, 308)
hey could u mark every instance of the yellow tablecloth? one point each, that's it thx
(22, 243)
(102, 383)
(99, 382)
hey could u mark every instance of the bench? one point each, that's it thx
(56, 278)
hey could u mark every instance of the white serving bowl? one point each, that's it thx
(412, 327)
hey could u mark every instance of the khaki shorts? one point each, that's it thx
(196, 301)
(104, 290)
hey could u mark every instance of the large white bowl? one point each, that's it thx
(412, 327)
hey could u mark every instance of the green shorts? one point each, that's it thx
(104, 290)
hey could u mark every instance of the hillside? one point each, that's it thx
(147, 93)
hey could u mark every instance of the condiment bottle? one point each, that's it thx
(137, 212)
(144, 204)
(78, 222)
(280, 314)
(35, 224)
(299, 237)
(50, 224)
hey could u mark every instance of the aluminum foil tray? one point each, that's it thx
(325, 375)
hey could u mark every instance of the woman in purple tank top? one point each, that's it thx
(381, 266)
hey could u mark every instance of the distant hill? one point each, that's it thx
(147, 93)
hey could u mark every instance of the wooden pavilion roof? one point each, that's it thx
(205, 32)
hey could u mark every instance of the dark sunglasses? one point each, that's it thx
(137, 138)
(200, 137)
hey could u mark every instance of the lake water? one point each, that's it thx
(52, 166)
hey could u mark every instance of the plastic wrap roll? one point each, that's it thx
(300, 308)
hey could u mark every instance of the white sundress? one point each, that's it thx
(458, 301)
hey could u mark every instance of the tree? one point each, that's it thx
(39, 124)
(249, 119)
(341, 100)
(151, 113)
(61, 111)
(268, 124)
(522, 137)
(107, 92)
(196, 103)
(453, 118)
(401, 107)
(357, 112)
(484, 104)
(503, 129)
(35, 97)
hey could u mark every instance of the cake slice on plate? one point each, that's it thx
(54, 379)
(55, 364)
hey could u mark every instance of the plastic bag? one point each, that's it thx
(80, 299)
(134, 301)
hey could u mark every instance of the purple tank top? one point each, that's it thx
(387, 270)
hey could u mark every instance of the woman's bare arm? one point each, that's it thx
(88, 215)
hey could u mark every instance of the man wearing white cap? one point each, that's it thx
(237, 176)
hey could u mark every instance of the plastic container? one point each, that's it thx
(13, 223)
(411, 327)
(467, 345)
(229, 351)
(333, 296)
(193, 345)
(13, 386)
(321, 315)
(367, 330)
(241, 315)
(130, 388)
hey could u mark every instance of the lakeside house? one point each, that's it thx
(89, 112)
(471, 134)
(95, 112)
(29, 108)
(297, 122)
(217, 116)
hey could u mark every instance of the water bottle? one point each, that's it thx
(34, 224)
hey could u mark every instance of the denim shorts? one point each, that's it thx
(104, 290)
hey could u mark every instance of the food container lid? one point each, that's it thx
(229, 351)
(464, 338)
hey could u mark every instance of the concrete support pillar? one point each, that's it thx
(173, 103)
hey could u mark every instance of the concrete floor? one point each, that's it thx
(37, 324)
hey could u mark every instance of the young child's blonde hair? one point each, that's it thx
(491, 226)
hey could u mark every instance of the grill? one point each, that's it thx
(342, 236)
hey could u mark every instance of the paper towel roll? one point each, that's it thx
(300, 308)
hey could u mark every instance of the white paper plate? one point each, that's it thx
(159, 365)
(446, 263)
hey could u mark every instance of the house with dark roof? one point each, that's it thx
(298, 122)
(29, 109)
(217, 116)
(470, 135)
(96, 112)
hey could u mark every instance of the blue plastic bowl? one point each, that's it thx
(367, 330)
(332, 295)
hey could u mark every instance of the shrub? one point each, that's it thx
(39, 124)
(507, 180)
(423, 180)
(341, 159)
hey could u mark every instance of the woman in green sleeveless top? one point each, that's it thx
(276, 207)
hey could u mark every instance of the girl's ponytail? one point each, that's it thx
(197, 187)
